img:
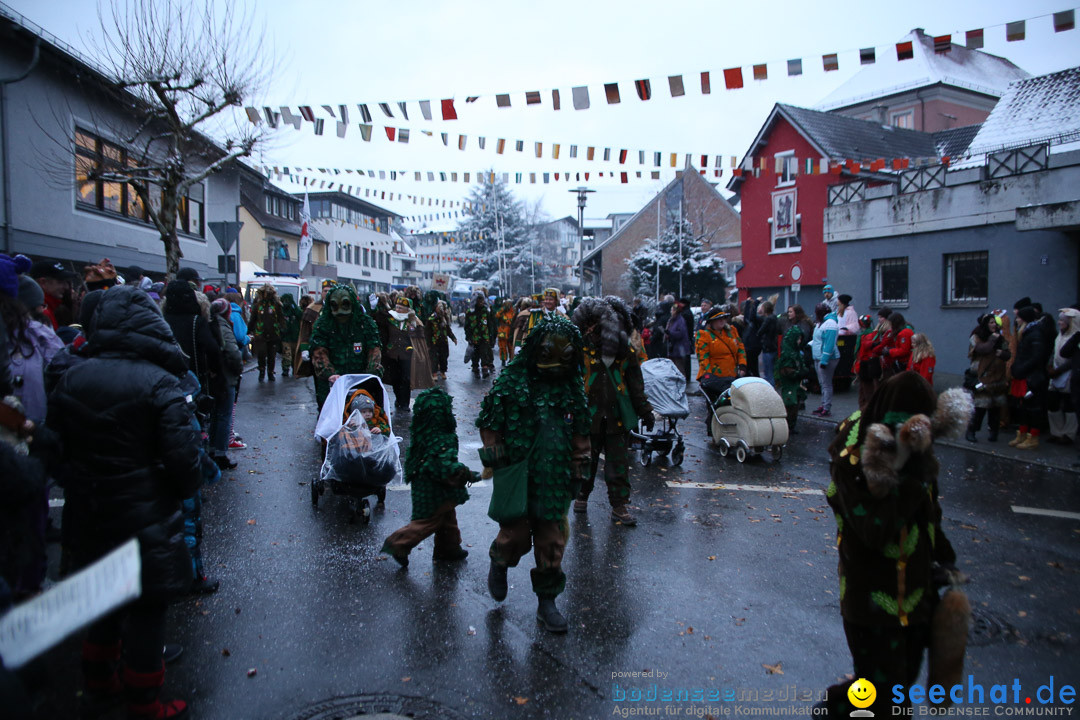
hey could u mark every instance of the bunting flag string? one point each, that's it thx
(1015, 31)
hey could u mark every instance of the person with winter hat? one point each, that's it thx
(826, 355)
(1033, 352)
(829, 298)
(130, 455)
(55, 280)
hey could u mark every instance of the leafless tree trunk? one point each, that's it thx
(183, 66)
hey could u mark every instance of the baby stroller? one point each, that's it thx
(665, 386)
(358, 463)
(749, 418)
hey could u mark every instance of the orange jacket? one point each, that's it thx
(719, 354)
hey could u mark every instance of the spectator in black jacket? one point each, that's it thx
(751, 322)
(767, 334)
(200, 341)
(1032, 358)
(130, 455)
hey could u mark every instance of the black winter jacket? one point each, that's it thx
(1032, 357)
(200, 343)
(130, 450)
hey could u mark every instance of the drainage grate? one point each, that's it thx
(988, 629)
(381, 706)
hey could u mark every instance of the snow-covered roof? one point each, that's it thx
(1036, 110)
(960, 67)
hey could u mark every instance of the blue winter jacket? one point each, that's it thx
(239, 327)
(823, 345)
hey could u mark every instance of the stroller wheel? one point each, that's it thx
(723, 446)
(741, 454)
(365, 511)
(677, 454)
(645, 457)
(777, 452)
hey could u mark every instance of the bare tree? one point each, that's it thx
(183, 66)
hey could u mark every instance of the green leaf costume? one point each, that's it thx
(538, 415)
(341, 348)
(432, 458)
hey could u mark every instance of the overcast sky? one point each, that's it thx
(337, 51)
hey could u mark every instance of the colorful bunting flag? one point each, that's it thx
(319, 123)
(1064, 20)
(573, 151)
(532, 97)
(904, 50)
(500, 146)
(519, 146)
(657, 159)
(555, 151)
(539, 149)
(425, 109)
(794, 67)
(973, 39)
(404, 112)
(867, 56)
(365, 132)
(761, 72)
(365, 114)
(830, 62)
(581, 97)
(403, 135)
(1015, 31)
(942, 44)
(590, 153)
(461, 140)
(482, 142)
(733, 78)
(675, 84)
(622, 157)
(643, 87)
(448, 111)
(706, 83)
(307, 113)
(611, 90)
(386, 110)
(502, 100)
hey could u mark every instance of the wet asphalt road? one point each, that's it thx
(708, 589)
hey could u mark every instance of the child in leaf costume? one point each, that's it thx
(893, 552)
(437, 478)
(537, 412)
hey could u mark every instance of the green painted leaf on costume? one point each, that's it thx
(911, 601)
(885, 602)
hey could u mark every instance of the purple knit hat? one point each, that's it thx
(10, 269)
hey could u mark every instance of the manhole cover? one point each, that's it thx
(377, 707)
(987, 629)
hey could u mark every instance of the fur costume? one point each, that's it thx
(343, 342)
(893, 550)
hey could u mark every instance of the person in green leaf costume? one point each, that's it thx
(791, 368)
(616, 393)
(291, 333)
(893, 552)
(437, 478)
(345, 340)
(536, 412)
(480, 332)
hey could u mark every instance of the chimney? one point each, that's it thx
(881, 114)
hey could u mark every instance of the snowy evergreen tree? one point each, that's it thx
(497, 226)
(702, 272)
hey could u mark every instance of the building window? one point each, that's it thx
(904, 119)
(967, 278)
(94, 155)
(338, 252)
(786, 168)
(269, 201)
(367, 260)
(890, 281)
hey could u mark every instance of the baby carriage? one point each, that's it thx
(665, 386)
(749, 417)
(359, 462)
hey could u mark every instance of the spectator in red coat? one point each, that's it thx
(894, 347)
(922, 358)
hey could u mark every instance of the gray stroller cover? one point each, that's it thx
(665, 386)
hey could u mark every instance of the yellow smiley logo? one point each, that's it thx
(862, 693)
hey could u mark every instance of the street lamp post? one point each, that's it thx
(582, 196)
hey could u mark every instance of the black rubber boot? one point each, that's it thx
(497, 581)
(549, 616)
(970, 436)
(454, 554)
